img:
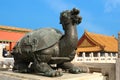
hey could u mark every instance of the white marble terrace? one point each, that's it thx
(96, 57)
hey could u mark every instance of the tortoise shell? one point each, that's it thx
(38, 39)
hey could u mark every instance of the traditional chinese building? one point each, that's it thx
(10, 35)
(97, 48)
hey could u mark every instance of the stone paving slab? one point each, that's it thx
(9, 75)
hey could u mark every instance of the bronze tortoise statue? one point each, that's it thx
(46, 46)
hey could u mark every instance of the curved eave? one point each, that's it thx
(90, 38)
(88, 49)
(8, 40)
(108, 50)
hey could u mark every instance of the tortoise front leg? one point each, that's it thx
(69, 66)
(40, 65)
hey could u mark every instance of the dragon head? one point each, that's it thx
(68, 17)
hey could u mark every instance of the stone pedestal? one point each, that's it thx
(8, 75)
(118, 69)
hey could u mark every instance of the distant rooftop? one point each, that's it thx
(97, 42)
(9, 28)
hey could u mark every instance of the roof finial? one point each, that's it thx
(113, 35)
(85, 30)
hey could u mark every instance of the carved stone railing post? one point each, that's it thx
(118, 60)
(119, 45)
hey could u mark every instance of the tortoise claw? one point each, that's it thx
(53, 73)
(75, 70)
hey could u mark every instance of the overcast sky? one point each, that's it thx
(99, 16)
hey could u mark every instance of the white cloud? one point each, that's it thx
(111, 4)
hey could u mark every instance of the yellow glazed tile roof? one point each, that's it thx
(88, 49)
(105, 43)
(14, 29)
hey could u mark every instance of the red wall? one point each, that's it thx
(5, 35)
(12, 36)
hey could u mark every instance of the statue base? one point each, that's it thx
(66, 76)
